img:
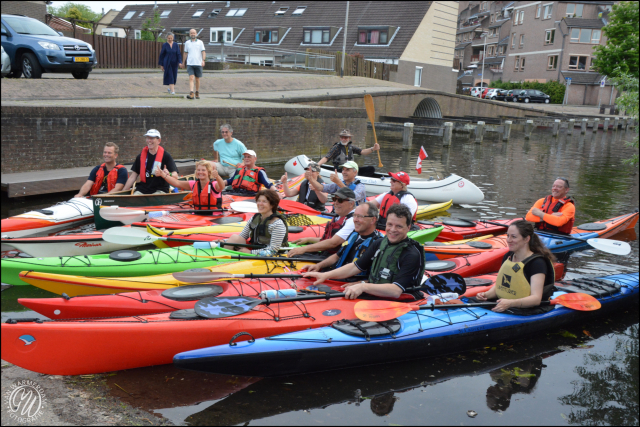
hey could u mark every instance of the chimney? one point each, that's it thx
(103, 11)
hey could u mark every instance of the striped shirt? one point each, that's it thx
(277, 229)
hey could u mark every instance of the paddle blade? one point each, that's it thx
(444, 283)
(615, 247)
(203, 275)
(128, 236)
(216, 308)
(380, 311)
(577, 301)
(297, 207)
(244, 207)
(125, 216)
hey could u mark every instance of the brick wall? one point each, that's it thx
(42, 138)
(32, 9)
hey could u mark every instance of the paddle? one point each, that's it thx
(380, 311)
(129, 216)
(215, 308)
(297, 207)
(615, 247)
(371, 113)
(136, 236)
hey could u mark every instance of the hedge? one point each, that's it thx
(553, 88)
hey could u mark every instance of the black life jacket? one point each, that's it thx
(311, 201)
(260, 230)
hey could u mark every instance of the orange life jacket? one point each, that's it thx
(112, 178)
(202, 197)
(247, 179)
(143, 162)
(389, 200)
(549, 207)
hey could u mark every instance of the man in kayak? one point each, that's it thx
(395, 263)
(555, 213)
(307, 194)
(343, 152)
(153, 157)
(336, 232)
(397, 195)
(227, 152)
(349, 180)
(108, 177)
(364, 221)
(249, 179)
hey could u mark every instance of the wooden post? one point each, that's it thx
(605, 127)
(407, 136)
(616, 121)
(596, 124)
(556, 127)
(506, 134)
(479, 132)
(448, 131)
(572, 123)
(583, 126)
(528, 128)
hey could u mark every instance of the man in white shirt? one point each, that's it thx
(398, 195)
(194, 56)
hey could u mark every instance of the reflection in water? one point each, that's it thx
(383, 405)
(514, 378)
(608, 386)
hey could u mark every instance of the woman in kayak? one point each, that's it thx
(267, 227)
(206, 190)
(527, 276)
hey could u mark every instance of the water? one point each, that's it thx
(586, 374)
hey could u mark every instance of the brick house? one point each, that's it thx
(32, 9)
(545, 41)
(416, 36)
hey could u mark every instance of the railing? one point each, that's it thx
(496, 70)
(476, 58)
(269, 56)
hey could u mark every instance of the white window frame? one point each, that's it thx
(137, 34)
(522, 59)
(548, 11)
(141, 14)
(165, 13)
(516, 66)
(198, 13)
(580, 30)
(547, 36)
(521, 44)
(129, 15)
(593, 31)
(281, 11)
(299, 11)
(521, 20)
(538, 11)
(216, 11)
(574, 14)
(576, 68)
(418, 77)
(213, 31)
(513, 40)
(550, 61)
(241, 12)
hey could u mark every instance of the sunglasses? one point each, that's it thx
(345, 137)
(339, 200)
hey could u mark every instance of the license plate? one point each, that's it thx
(80, 59)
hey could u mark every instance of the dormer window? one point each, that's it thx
(317, 36)
(299, 11)
(266, 36)
(281, 11)
(380, 36)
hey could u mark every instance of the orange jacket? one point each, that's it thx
(567, 214)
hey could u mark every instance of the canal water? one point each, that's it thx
(584, 374)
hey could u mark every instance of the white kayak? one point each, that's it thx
(77, 244)
(453, 187)
(50, 219)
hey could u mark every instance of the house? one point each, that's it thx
(538, 41)
(65, 27)
(104, 23)
(416, 36)
(32, 9)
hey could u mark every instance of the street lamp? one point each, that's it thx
(484, 52)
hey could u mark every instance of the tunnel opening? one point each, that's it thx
(429, 109)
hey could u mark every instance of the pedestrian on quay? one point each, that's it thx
(194, 56)
(169, 61)
(228, 152)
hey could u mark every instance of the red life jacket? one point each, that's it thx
(333, 227)
(202, 198)
(389, 200)
(112, 178)
(143, 162)
(549, 207)
(247, 179)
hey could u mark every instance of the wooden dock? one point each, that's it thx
(60, 180)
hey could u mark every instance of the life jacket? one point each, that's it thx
(389, 200)
(202, 197)
(346, 249)
(385, 262)
(260, 233)
(352, 187)
(512, 283)
(345, 154)
(143, 162)
(549, 207)
(112, 178)
(247, 179)
(333, 227)
(312, 200)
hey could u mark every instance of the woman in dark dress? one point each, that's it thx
(170, 59)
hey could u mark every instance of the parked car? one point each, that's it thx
(496, 94)
(512, 95)
(35, 48)
(476, 91)
(6, 63)
(532, 95)
(485, 91)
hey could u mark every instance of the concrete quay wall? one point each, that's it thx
(42, 138)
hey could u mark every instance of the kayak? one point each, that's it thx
(89, 346)
(459, 229)
(556, 243)
(454, 187)
(413, 335)
(64, 245)
(59, 216)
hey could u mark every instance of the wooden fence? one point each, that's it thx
(359, 67)
(115, 52)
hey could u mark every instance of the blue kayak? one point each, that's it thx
(425, 333)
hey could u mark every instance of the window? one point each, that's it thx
(129, 14)
(491, 19)
(547, 11)
(538, 10)
(595, 36)
(137, 34)
(373, 37)
(500, 50)
(574, 10)
(317, 36)
(219, 35)
(299, 11)
(165, 14)
(141, 13)
(241, 12)
(266, 36)
(513, 41)
(549, 36)
(515, 18)
(521, 20)
(552, 62)
(214, 13)
(281, 11)
(198, 13)
(522, 64)
(418, 78)
(517, 64)
(585, 35)
(575, 34)
(236, 12)
(578, 62)
(521, 40)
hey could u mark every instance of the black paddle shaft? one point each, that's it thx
(469, 305)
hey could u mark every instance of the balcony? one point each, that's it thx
(476, 58)
(496, 70)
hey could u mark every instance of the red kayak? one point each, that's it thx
(460, 229)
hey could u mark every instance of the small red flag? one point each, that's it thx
(423, 155)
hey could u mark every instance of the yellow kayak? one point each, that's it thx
(433, 209)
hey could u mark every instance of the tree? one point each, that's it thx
(151, 25)
(628, 100)
(620, 53)
(76, 11)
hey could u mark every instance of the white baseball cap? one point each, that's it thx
(251, 153)
(154, 133)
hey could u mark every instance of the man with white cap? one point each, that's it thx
(153, 156)
(249, 179)
(306, 193)
(397, 196)
(343, 151)
(349, 175)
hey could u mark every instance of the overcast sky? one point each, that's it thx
(97, 6)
